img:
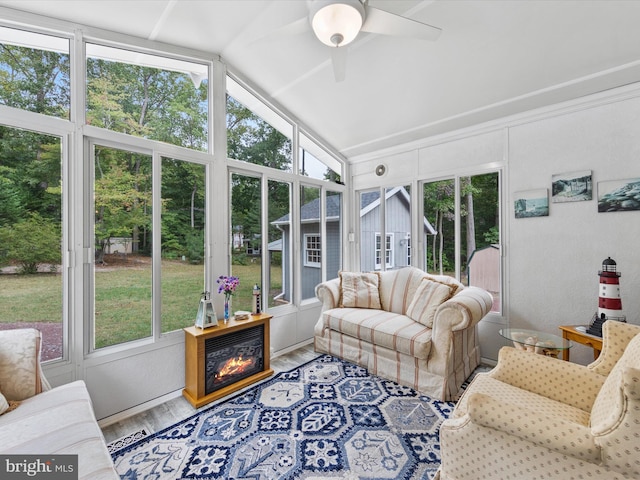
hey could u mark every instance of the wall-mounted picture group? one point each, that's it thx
(613, 195)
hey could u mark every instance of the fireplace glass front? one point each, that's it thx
(232, 357)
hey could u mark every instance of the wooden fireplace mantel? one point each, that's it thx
(194, 350)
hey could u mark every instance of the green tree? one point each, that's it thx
(32, 242)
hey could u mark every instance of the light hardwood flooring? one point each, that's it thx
(178, 408)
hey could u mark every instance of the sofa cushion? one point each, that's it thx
(385, 329)
(20, 363)
(447, 280)
(528, 401)
(359, 290)
(59, 421)
(4, 405)
(397, 288)
(428, 297)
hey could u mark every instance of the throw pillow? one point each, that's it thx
(359, 290)
(447, 280)
(19, 363)
(4, 405)
(428, 297)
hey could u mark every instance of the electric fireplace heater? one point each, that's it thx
(223, 359)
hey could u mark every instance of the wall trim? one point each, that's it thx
(605, 97)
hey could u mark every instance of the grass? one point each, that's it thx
(123, 298)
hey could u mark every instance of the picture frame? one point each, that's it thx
(531, 203)
(572, 187)
(619, 195)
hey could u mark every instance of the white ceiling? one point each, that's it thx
(494, 58)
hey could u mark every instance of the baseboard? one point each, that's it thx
(488, 361)
(291, 348)
(117, 417)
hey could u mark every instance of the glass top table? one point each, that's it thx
(536, 341)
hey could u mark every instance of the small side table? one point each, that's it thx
(571, 332)
(536, 341)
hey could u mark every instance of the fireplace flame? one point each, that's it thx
(234, 366)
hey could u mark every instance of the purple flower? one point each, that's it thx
(227, 285)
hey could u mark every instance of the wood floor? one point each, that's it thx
(177, 409)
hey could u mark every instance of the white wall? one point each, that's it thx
(551, 263)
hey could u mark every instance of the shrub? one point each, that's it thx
(31, 242)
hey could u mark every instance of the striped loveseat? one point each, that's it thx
(418, 330)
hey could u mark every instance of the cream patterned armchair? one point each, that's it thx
(535, 417)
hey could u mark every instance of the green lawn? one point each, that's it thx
(123, 298)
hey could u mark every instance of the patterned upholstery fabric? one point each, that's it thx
(435, 361)
(359, 290)
(538, 417)
(428, 297)
(20, 373)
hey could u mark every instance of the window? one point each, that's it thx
(148, 96)
(473, 257)
(123, 254)
(31, 240)
(393, 216)
(246, 252)
(34, 72)
(333, 227)
(312, 250)
(255, 132)
(310, 218)
(279, 204)
(388, 251)
(315, 162)
(407, 245)
(183, 238)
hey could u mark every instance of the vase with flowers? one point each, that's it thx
(227, 286)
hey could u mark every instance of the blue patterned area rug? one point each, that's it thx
(325, 419)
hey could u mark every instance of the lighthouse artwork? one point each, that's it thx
(609, 302)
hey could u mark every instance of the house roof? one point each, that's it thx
(310, 212)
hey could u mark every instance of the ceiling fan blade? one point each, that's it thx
(297, 27)
(385, 23)
(339, 62)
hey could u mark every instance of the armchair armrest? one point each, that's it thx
(556, 379)
(616, 336)
(463, 310)
(329, 293)
(554, 433)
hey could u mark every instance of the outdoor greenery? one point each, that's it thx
(124, 313)
(479, 217)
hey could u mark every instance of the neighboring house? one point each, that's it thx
(398, 237)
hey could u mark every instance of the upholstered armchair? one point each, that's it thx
(535, 417)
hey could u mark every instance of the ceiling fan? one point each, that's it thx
(337, 23)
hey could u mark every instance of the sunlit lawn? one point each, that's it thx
(123, 298)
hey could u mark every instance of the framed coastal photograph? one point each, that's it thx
(619, 195)
(531, 203)
(572, 187)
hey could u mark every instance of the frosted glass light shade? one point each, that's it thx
(337, 23)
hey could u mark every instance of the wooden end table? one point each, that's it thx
(571, 332)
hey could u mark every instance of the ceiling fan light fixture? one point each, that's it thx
(336, 23)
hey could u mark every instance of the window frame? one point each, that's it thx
(313, 252)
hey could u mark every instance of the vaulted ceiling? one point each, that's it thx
(493, 58)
